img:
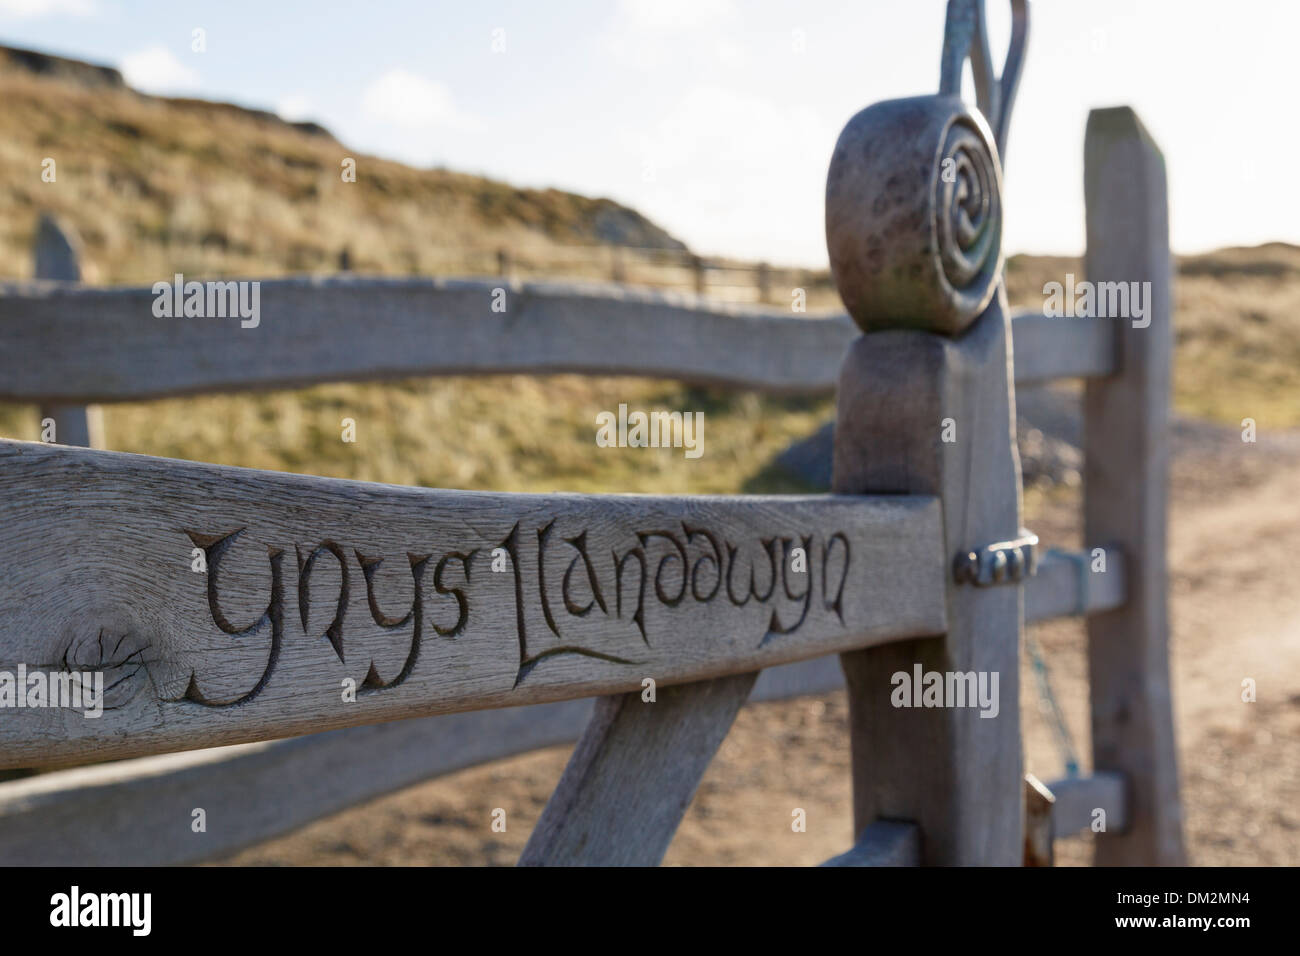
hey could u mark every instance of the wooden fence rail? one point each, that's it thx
(307, 587)
(135, 812)
(53, 339)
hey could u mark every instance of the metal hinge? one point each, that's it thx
(1006, 562)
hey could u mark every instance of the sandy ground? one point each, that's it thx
(1236, 614)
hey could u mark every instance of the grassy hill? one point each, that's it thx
(157, 185)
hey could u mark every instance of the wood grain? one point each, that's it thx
(77, 345)
(1126, 480)
(54, 340)
(952, 772)
(633, 774)
(311, 582)
(137, 812)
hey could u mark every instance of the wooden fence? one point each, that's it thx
(332, 608)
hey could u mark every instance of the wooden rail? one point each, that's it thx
(421, 601)
(136, 812)
(123, 813)
(54, 336)
(1079, 798)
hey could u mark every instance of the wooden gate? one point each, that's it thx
(230, 606)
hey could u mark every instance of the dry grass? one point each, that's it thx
(157, 186)
(1236, 327)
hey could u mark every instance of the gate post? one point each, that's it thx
(1125, 489)
(56, 252)
(926, 407)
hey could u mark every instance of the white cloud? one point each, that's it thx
(156, 70)
(295, 107)
(406, 99)
(30, 9)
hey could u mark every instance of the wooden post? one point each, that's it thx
(617, 270)
(928, 413)
(697, 268)
(345, 259)
(1038, 823)
(1126, 474)
(503, 263)
(57, 256)
(633, 775)
(764, 278)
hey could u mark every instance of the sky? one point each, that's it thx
(717, 118)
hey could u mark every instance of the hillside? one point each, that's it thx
(157, 185)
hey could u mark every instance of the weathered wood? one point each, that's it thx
(948, 769)
(312, 582)
(56, 255)
(138, 812)
(79, 425)
(54, 339)
(1126, 475)
(1038, 822)
(1047, 348)
(910, 245)
(135, 812)
(1078, 799)
(633, 775)
(56, 251)
(1067, 586)
(883, 843)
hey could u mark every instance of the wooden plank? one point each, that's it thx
(78, 425)
(136, 812)
(56, 253)
(1078, 799)
(1048, 348)
(883, 843)
(633, 774)
(1067, 586)
(311, 582)
(1126, 478)
(955, 773)
(54, 339)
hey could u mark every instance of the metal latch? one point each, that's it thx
(1006, 562)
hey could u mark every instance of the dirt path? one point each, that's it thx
(1235, 531)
